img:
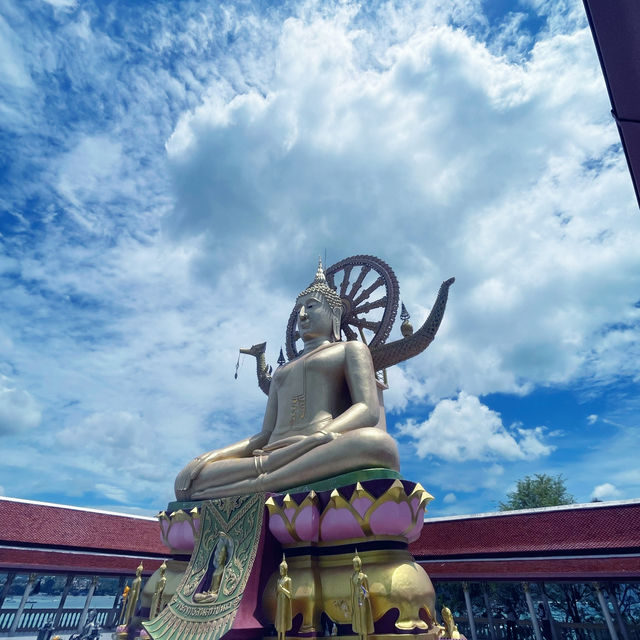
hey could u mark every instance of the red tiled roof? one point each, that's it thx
(572, 529)
(593, 541)
(28, 523)
(586, 568)
(27, 560)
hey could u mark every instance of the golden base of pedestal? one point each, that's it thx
(374, 636)
(322, 584)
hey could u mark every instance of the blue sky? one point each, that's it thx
(170, 173)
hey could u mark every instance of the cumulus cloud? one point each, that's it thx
(19, 411)
(62, 4)
(166, 204)
(464, 429)
(445, 125)
(592, 419)
(606, 491)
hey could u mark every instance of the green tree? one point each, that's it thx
(539, 490)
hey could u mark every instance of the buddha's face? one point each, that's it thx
(315, 317)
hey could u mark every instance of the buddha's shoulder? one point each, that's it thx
(351, 348)
(356, 349)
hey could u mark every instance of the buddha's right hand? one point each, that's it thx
(192, 471)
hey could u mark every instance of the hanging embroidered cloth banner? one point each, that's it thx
(207, 599)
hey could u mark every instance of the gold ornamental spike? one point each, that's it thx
(310, 499)
(272, 505)
(288, 502)
(360, 492)
(195, 512)
(396, 491)
(337, 500)
(180, 516)
(162, 515)
(422, 494)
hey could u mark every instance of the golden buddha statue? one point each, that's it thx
(283, 622)
(361, 616)
(322, 417)
(450, 626)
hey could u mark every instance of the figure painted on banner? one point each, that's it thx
(284, 619)
(220, 560)
(322, 417)
(361, 616)
(134, 594)
(450, 626)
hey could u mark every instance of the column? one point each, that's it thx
(117, 603)
(23, 602)
(7, 585)
(472, 622)
(87, 603)
(532, 611)
(605, 612)
(614, 601)
(547, 608)
(63, 599)
(487, 604)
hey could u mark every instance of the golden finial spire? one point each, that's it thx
(320, 285)
(320, 277)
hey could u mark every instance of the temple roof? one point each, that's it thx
(616, 31)
(576, 542)
(39, 536)
(580, 541)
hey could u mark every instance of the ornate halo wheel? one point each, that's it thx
(369, 292)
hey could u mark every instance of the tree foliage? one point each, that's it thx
(539, 490)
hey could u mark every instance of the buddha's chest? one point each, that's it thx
(308, 385)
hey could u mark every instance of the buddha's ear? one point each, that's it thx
(337, 316)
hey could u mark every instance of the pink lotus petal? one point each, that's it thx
(279, 529)
(390, 519)
(339, 524)
(307, 525)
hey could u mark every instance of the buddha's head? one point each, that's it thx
(284, 567)
(320, 309)
(357, 563)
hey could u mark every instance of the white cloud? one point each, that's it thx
(464, 429)
(592, 419)
(606, 491)
(19, 411)
(62, 4)
(441, 125)
(13, 70)
(450, 498)
(421, 134)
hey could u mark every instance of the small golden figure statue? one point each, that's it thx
(220, 559)
(284, 620)
(156, 602)
(450, 626)
(361, 616)
(132, 597)
(123, 603)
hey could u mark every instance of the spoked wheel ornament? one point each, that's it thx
(369, 292)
